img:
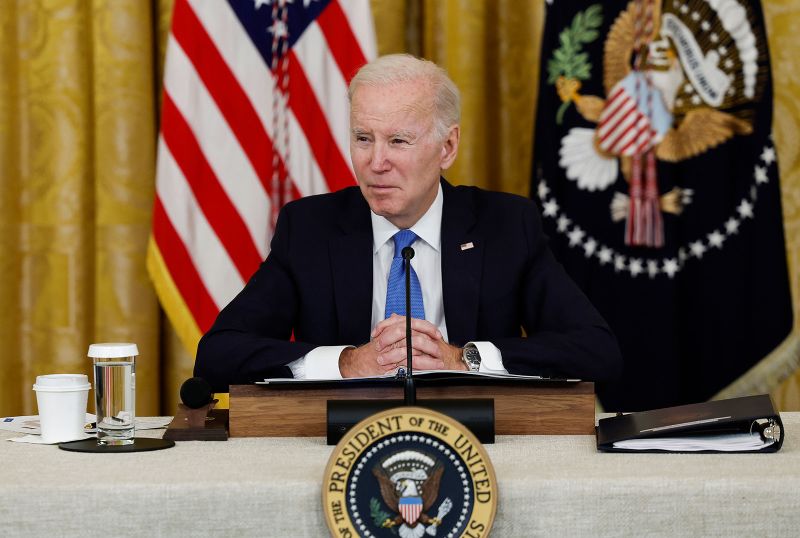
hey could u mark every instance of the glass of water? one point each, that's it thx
(115, 391)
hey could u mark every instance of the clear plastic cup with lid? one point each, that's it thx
(115, 391)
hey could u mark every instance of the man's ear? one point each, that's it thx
(450, 146)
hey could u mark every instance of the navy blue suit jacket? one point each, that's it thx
(316, 283)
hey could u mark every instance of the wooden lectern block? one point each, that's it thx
(520, 409)
(204, 424)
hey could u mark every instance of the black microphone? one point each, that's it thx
(196, 393)
(410, 389)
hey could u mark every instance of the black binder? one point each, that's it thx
(716, 425)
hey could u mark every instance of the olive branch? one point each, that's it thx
(569, 63)
(379, 515)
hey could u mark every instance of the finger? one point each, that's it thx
(426, 362)
(427, 346)
(390, 335)
(395, 356)
(397, 322)
(426, 327)
(388, 322)
(393, 335)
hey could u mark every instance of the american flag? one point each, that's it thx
(254, 114)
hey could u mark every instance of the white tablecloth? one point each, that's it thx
(548, 485)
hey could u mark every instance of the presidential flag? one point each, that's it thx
(254, 114)
(656, 172)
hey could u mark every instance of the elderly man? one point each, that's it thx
(486, 292)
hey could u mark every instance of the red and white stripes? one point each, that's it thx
(234, 147)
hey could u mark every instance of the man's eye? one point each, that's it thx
(361, 138)
(399, 141)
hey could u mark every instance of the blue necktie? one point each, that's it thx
(396, 285)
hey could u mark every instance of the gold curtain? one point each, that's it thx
(77, 154)
(78, 125)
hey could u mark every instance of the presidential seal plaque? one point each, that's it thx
(409, 472)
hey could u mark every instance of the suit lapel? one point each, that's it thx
(351, 263)
(462, 263)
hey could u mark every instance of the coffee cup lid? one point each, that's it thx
(61, 382)
(112, 350)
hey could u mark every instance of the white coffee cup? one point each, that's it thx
(62, 399)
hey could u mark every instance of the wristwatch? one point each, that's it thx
(471, 357)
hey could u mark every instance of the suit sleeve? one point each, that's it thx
(565, 334)
(250, 339)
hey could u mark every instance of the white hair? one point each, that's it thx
(399, 68)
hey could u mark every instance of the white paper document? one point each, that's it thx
(422, 374)
(30, 424)
(732, 442)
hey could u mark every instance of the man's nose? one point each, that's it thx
(379, 160)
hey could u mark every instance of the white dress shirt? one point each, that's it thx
(323, 362)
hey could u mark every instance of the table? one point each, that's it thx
(549, 485)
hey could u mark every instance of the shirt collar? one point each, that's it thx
(428, 227)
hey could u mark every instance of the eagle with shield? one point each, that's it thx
(409, 484)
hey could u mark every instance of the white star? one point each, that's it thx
(543, 190)
(550, 208)
(688, 88)
(745, 209)
(619, 262)
(732, 226)
(714, 38)
(722, 51)
(715, 239)
(697, 249)
(260, 3)
(768, 155)
(635, 267)
(728, 63)
(278, 29)
(670, 267)
(604, 255)
(684, 9)
(575, 236)
(760, 174)
(563, 223)
(695, 99)
(589, 247)
(705, 26)
(695, 16)
(652, 268)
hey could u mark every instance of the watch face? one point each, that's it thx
(473, 358)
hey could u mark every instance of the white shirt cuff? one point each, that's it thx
(491, 358)
(320, 363)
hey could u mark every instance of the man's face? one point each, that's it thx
(397, 156)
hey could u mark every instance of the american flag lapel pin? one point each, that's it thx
(467, 246)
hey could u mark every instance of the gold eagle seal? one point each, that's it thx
(409, 472)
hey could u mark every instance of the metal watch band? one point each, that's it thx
(471, 357)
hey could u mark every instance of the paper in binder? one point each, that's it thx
(747, 424)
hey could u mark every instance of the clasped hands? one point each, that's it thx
(386, 351)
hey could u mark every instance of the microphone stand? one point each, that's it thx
(410, 389)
